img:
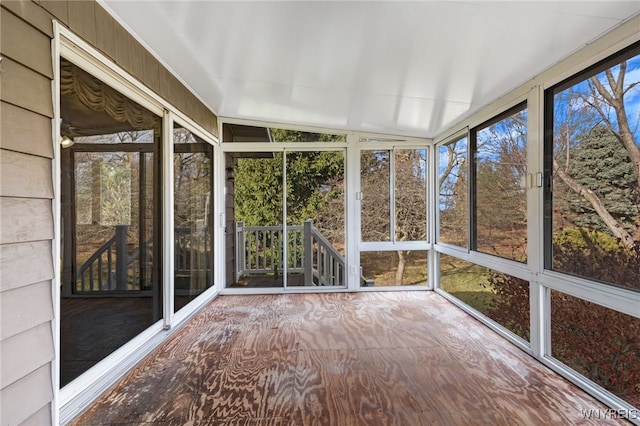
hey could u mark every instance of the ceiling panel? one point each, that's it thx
(409, 68)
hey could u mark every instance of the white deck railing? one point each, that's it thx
(260, 250)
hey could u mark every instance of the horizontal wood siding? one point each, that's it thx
(31, 13)
(25, 44)
(25, 131)
(24, 353)
(26, 88)
(41, 417)
(25, 263)
(25, 219)
(23, 175)
(17, 316)
(26, 228)
(25, 397)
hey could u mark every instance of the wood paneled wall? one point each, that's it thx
(26, 182)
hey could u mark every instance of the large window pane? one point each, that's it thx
(193, 226)
(375, 175)
(392, 268)
(111, 221)
(600, 343)
(254, 185)
(500, 186)
(310, 249)
(315, 218)
(394, 195)
(453, 193)
(410, 189)
(501, 297)
(593, 154)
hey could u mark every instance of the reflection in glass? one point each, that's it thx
(110, 220)
(501, 297)
(193, 189)
(393, 268)
(453, 193)
(500, 187)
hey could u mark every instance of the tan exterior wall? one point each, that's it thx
(26, 183)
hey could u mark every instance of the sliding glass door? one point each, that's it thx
(111, 221)
(288, 219)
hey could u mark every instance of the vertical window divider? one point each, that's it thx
(392, 194)
(538, 308)
(168, 240)
(432, 215)
(285, 236)
(353, 201)
(471, 191)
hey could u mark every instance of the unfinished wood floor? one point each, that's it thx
(401, 358)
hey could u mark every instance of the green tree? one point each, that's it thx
(602, 165)
(258, 190)
(601, 99)
(314, 180)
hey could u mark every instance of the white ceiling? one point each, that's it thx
(406, 68)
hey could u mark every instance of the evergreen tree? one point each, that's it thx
(314, 180)
(601, 164)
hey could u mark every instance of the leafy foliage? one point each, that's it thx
(314, 186)
(258, 190)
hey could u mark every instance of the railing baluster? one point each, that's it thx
(249, 256)
(326, 266)
(109, 267)
(295, 249)
(91, 287)
(257, 237)
(100, 272)
(263, 250)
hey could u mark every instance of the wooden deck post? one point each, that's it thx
(308, 252)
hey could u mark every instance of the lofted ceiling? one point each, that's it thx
(406, 68)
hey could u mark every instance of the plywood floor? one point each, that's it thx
(392, 358)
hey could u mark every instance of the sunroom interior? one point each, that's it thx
(360, 147)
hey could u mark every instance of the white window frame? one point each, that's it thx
(75, 396)
(288, 147)
(392, 143)
(542, 281)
